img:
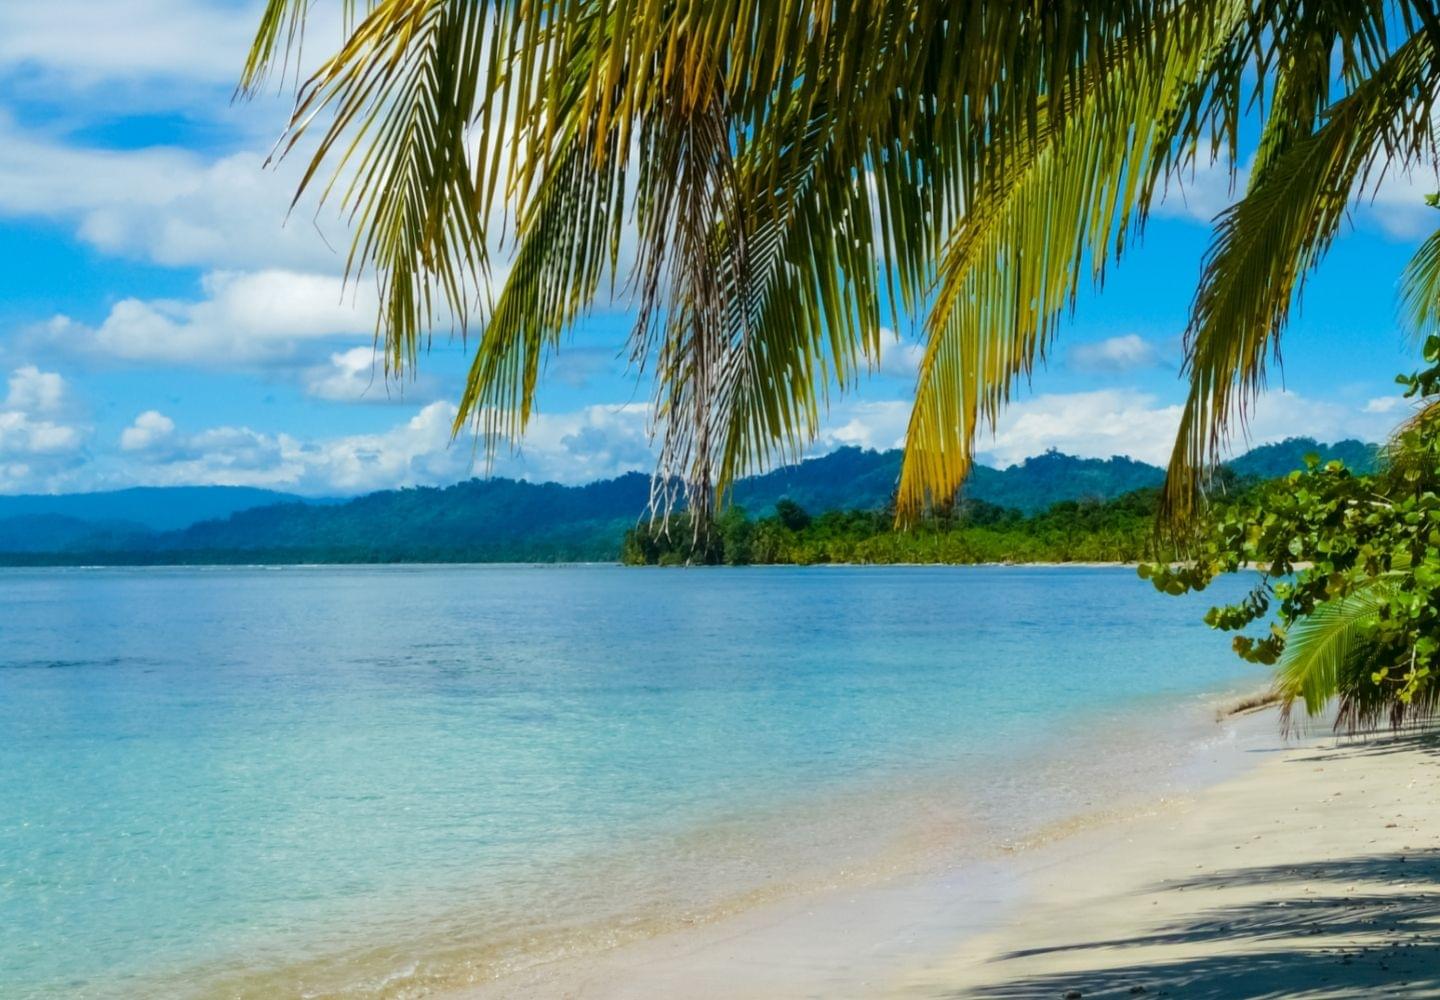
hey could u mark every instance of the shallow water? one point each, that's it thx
(373, 781)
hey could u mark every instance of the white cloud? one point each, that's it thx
(1203, 192)
(35, 445)
(1095, 424)
(349, 376)
(596, 442)
(21, 434)
(1115, 354)
(899, 358)
(1398, 206)
(1283, 414)
(149, 430)
(168, 206)
(35, 391)
(876, 424)
(1108, 422)
(94, 41)
(244, 318)
(1125, 422)
(1385, 404)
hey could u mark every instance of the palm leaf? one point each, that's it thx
(1269, 241)
(1320, 646)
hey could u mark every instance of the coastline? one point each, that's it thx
(1309, 867)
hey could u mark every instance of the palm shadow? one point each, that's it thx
(1397, 954)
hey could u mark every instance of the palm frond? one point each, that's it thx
(1319, 648)
(1267, 243)
(1047, 213)
(1420, 289)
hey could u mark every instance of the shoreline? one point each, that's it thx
(1297, 868)
(856, 938)
(1312, 875)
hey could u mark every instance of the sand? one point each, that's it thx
(1310, 874)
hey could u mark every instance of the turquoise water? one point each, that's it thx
(373, 781)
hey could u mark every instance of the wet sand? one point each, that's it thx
(1313, 873)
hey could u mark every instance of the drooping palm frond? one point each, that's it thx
(1050, 214)
(793, 170)
(1268, 242)
(1321, 650)
(436, 113)
(1420, 288)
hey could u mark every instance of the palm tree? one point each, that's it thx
(794, 174)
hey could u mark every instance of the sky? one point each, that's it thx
(165, 320)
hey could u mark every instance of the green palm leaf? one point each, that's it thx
(1320, 647)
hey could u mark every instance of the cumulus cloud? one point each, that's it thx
(94, 41)
(1203, 192)
(1397, 206)
(1386, 404)
(34, 391)
(170, 206)
(22, 434)
(876, 424)
(576, 447)
(899, 358)
(1116, 354)
(1108, 422)
(150, 429)
(1125, 422)
(36, 444)
(1095, 424)
(244, 318)
(1282, 414)
(358, 375)
(348, 376)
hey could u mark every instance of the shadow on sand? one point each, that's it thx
(1389, 946)
(1365, 926)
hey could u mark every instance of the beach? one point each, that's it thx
(1312, 873)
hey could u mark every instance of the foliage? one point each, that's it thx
(796, 173)
(1350, 566)
(972, 531)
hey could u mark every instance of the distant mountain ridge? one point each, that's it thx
(156, 508)
(507, 520)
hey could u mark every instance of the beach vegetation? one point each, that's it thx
(1346, 607)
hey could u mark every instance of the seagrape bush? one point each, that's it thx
(1347, 603)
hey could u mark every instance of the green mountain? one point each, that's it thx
(157, 508)
(483, 520)
(1271, 460)
(495, 520)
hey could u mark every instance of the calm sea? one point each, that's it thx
(376, 781)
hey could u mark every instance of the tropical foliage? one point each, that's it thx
(1348, 596)
(969, 532)
(766, 184)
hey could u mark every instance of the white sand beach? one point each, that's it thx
(1310, 874)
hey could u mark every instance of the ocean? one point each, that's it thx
(378, 781)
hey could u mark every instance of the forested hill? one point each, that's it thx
(146, 508)
(506, 520)
(853, 479)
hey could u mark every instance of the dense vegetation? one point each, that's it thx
(973, 531)
(1348, 599)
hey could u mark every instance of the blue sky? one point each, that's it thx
(162, 322)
